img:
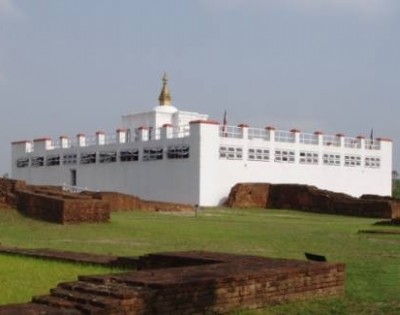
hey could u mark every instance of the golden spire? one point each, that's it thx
(165, 97)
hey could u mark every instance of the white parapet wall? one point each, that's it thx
(200, 162)
(355, 166)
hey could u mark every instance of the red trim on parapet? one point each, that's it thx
(360, 137)
(63, 137)
(295, 130)
(167, 125)
(100, 133)
(384, 139)
(270, 128)
(42, 139)
(243, 126)
(81, 135)
(21, 142)
(340, 135)
(318, 132)
(142, 128)
(208, 122)
(121, 130)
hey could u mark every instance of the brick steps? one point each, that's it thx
(113, 290)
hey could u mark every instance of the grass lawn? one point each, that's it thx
(372, 260)
(22, 277)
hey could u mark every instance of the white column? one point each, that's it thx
(167, 131)
(100, 138)
(81, 140)
(64, 142)
(121, 135)
(244, 131)
(143, 133)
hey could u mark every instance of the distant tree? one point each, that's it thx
(395, 184)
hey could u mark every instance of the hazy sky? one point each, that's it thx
(70, 66)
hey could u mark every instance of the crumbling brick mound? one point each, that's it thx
(117, 201)
(124, 202)
(252, 195)
(62, 208)
(147, 205)
(310, 198)
(203, 283)
(8, 192)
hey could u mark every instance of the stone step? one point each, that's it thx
(85, 298)
(64, 303)
(114, 290)
(52, 301)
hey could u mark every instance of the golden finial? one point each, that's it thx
(165, 97)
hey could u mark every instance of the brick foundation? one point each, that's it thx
(52, 204)
(62, 208)
(203, 283)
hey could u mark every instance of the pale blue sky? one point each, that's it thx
(69, 66)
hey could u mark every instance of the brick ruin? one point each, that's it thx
(52, 204)
(191, 283)
(312, 199)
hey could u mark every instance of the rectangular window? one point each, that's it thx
(178, 152)
(69, 159)
(107, 157)
(52, 160)
(129, 155)
(308, 157)
(23, 162)
(88, 158)
(331, 159)
(152, 154)
(372, 162)
(284, 156)
(258, 154)
(231, 153)
(352, 160)
(37, 161)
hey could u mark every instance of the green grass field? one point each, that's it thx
(372, 260)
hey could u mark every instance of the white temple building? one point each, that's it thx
(167, 154)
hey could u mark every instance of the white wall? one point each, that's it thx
(219, 175)
(205, 178)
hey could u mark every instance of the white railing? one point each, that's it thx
(354, 143)
(258, 133)
(181, 131)
(371, 144)
(308, 138)
(230, 132)
(91, 141)
(329, 140)
(110, 138)
(285, 136)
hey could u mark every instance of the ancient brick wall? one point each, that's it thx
(62, 208)
(52, 204)
(8, 192)
(123, 202)
(309, 198)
